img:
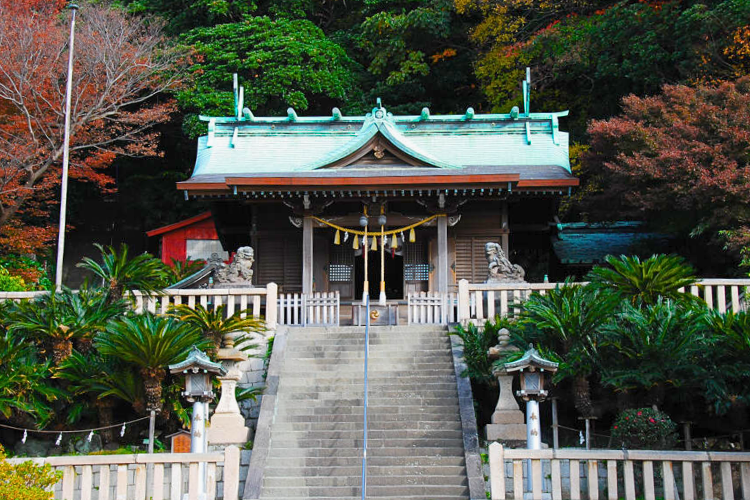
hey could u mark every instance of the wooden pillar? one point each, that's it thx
(505, 228)
(307, 255)
(442, 240)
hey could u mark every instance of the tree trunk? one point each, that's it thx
(152, 388)
(106, 417)
(582, 397)
(61, 350)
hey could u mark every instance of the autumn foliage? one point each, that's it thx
(681, 157)
(122, 64)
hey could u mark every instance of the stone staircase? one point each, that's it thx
(415, 443)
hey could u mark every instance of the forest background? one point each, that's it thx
(658, 93)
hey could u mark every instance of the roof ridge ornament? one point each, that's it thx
(379, 113)
(527, 93)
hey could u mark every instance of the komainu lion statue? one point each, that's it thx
(240, 270)
(500, 270)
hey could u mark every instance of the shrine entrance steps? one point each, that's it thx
(415, 443)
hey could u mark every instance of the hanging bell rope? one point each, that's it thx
(391, 232)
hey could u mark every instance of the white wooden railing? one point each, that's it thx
(613, 474)
(434, 308)
(173, 476)
(478, 302)
(317, 309)
(234, 299)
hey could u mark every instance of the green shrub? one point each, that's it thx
(477, 341)
(10, 283)
(26, 480)
(644, 429)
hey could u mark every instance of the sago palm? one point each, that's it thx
(26, 393)
(214, 324)
(567, 320)
(119, 272)
(57, 319)
(150, 343)
(181, 269)
(98, 382)
(652, 347)
(728, 360)
(644, 282)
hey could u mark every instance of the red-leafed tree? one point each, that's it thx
(681, 158)
(122, 65)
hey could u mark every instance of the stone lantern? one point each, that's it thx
(198, 369)
(533, 370)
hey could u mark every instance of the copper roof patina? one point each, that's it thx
(524, 147)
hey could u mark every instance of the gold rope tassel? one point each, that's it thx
(394, 241)
(412, 236)
(374, 246)
(337, 238)
(355, 243)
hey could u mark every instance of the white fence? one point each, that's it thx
(426, 308)
(592, 474)
(234, 299)
(172, 476)
(318, 309)
(480, 302)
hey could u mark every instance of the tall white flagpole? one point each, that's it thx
(66, 155)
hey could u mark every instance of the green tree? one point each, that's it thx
(150, 343)
(283, 63)
(566, 321)
(119, 272)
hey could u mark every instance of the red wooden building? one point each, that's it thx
(190, 239)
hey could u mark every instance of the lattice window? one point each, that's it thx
(342, 264)
(416, 267)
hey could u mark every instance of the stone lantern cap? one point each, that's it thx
(196, 362)
(532, 361)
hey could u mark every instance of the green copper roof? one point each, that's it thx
(249, 145)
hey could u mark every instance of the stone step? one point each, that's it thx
(385, 417)
(383, 457)
(285, 441)
(374, 357)
(427, 492)
(374, 401)
(374, 394)
(312, 346)
(373, 385)
(374, 330)
(372, 426)
(396, 434)
(374, 412)
(292, 480)
(374, 379)
(372, 471)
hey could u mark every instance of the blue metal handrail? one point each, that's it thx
(367, 355)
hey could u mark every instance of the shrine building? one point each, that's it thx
(382, 202)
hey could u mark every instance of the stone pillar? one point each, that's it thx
(307, 255)
(508, 423)
(227, 422)
(442, 244)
